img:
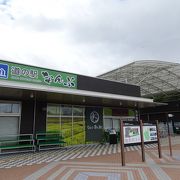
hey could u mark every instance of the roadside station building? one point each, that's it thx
(159, 80)
(35, 99)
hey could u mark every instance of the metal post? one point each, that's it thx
(142, 141)
(169, 136)
(122, 143)
(158, 139)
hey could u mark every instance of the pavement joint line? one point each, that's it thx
(67, 175)
(156, 155)
(96, 150)
(75, 154)
(71, 171)
(46, 168)
(85, 151)
(90, 150)
(56, 173)
(130, 176)
(110, 149)
(63, 155)
(101, 167)
(41, 171)
(142, 174)
(100, 150)
(85, 175)
(53, 156)
(105, 150)
(160, 174)
(167, 157)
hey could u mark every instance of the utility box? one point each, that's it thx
(112, 136)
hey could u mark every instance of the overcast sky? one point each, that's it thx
(89, 37)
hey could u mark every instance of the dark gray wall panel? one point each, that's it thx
(27, 117)
(40, 116)
(105, 86)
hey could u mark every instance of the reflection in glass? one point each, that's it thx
(108, 124)
(53, 124)
(116, 124)
(78, 130)
(9, 108)
(9, 125)
(53, 110)
(78, 111)
(66, 110)
(66, 129)
(70, 122)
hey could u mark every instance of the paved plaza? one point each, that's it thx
(93, 162)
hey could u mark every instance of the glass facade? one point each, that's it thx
(69, 120)
(9, 118)
(112, 117)
(9, 108)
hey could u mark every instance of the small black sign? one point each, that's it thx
(94, 123)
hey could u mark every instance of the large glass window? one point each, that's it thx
(9, 108)
(78, 111)
(78, 130)
(53, 110)
(108, 124)
(53, 124)
(69, 120)
(9, 125)
(66, 110)
(66, 129)
(116, 124)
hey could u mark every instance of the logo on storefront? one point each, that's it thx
(4, 71)
(94, 117)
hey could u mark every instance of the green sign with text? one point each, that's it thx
(29, 74)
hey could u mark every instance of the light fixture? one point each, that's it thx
(31, 95)
(120, 103)
(83, 100)
(170, 115)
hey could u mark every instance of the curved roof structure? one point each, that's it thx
(154, 77)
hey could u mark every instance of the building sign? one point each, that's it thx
(29, 74)
(94, 123)
(132, 134)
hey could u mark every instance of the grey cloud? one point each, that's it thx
(40, 23)
(141, 29)
(112, 33)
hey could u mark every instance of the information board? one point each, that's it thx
(132, 134)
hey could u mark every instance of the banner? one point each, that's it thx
(29, 74)
(132, 134)
(94, 123)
